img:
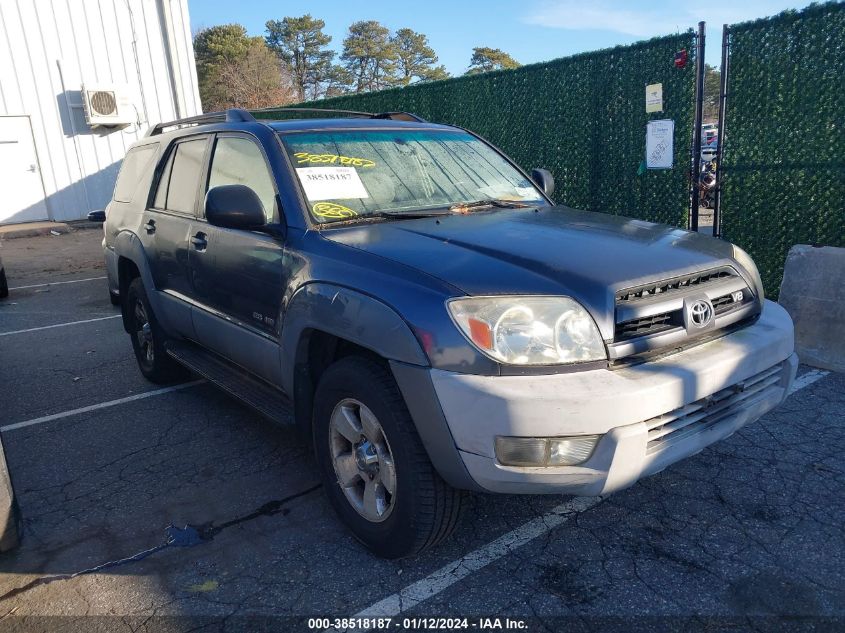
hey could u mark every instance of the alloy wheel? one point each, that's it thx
(362, 460)
(144, 332)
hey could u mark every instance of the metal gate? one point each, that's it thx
(781, 147)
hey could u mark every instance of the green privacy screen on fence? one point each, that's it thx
(784, 155)
(582, 117)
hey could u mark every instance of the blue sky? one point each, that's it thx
(530, 30)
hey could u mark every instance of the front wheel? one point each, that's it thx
(4, 285)
(148, 338)
(375, 470)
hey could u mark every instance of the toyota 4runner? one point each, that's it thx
(429, 316)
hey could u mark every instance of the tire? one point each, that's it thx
(148, 338)
(114, 299)
(4, 285)
(423, 509)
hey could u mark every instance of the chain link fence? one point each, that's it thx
(582, 117)
(783, 160)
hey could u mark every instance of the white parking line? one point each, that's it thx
(56, 283)
(101, 405)
(48, 327)
(448, 575)
(807, 379)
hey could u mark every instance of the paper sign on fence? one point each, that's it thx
(660, 144)
(654, 98)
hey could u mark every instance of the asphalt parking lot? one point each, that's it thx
(746, 532)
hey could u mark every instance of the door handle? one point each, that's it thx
(199, 241)
(150, 226)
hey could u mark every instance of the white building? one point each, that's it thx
(80, 80)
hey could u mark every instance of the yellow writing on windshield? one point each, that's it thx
(333, 159)
(333, 211)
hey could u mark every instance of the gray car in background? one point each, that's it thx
(4, 284)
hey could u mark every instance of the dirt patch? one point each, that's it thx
(49, 258)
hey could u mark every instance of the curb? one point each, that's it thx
(14, 231)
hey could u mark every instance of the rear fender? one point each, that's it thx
(127, 245)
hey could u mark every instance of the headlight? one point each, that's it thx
(529, 330)
(744, 260)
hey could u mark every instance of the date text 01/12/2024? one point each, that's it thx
(417, 623)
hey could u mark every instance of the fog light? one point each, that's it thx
(545, 451)
(521, 451)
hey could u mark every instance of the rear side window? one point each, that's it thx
(239, 161)
(164, 181)
(177, 187)
(135, 170)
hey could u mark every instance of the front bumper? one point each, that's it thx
(650, 415)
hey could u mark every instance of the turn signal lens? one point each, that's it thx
(568, 451)
(480, 333)
(545, 451)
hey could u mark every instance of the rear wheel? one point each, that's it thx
(148, 338)
(375, 470)
(4, 285)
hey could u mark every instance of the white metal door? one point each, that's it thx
(22, 198)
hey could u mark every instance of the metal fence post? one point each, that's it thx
(720, 137)
(696, 131)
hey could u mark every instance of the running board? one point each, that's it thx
(254, 392)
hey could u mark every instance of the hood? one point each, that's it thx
(550, 251)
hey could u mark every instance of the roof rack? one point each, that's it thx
(232, 115)
(395, 116)
(400, 116)
(237, 115)
(355, 113)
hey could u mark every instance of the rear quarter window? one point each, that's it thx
(136, 169)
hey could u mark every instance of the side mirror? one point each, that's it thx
(234, 207)
(97, 216)
(543, 178)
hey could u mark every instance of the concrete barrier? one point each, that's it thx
(813, 292)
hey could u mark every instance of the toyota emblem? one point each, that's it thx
(701, 313)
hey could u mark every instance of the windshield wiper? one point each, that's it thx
(490, 202)
(387, 215)
(408, 215)
(398, 214)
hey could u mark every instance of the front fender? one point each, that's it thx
(350, 315)
(374, 325)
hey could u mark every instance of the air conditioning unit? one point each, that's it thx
(108, 105)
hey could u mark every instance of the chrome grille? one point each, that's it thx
(648, 325)
(651, 317)
(702, 414)
(671, 285)
(726, 303)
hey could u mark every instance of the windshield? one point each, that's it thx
(348, 174)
